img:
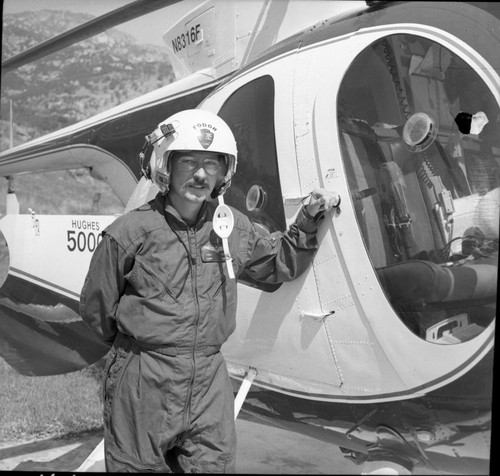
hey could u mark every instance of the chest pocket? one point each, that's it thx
(212, 253)
(147, 283)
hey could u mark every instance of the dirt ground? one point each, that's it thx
(261, 450)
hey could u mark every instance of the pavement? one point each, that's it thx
(261, 450)
(50, 454)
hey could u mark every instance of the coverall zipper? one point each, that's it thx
(194, 283)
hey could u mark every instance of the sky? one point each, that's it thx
(147, 29)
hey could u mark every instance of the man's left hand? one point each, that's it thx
(322, 200)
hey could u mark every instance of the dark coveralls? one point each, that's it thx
(157, 290)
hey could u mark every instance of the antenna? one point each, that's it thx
(11, 115)
(12, 203)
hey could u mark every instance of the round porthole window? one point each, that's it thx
(420, 131)
(256, 198)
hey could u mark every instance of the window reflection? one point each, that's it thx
(420, 138)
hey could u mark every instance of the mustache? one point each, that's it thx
(197, 182)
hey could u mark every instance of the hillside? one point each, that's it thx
(76, 82)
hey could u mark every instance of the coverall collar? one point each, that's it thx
(164, 205)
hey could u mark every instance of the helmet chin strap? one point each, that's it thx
(223, 225)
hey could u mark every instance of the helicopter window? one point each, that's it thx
(255, 188)
(64, 192)
(420, 139)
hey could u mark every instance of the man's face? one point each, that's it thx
(194, 175)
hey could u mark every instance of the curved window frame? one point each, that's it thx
(396, 281)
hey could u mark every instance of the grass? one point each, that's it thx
(41, 407)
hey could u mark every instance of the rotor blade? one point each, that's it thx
(86, 30)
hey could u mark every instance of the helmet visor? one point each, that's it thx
(187, 162)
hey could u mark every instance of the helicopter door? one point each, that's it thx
(417, 144)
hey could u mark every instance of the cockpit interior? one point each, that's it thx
(420, 139)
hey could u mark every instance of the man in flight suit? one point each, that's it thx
(160, 292)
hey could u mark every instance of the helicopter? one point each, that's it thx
(385, 345)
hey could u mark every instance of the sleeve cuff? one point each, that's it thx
(307, 223)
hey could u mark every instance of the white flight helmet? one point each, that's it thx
(192, 129)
